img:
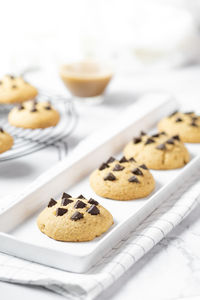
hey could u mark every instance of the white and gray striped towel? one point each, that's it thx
(118, 261)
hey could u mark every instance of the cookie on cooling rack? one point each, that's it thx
(33, 115)
(123, 179)
(186, 125)
(74, 219)
(158, 151)
(15, 90)
(6, 141)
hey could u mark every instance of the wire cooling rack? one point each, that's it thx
(27, 141)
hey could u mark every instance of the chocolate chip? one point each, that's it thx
(194, 124)
(163, 132)
(79, 204)
(11, 77)
(110, 177)
(1, 82)
(66, 201)
(194, 118)
(143, 166)
(1, 130)
(81, 197)
(48, 106)
(133, 179)
(92, 201)
(132, 159)
(14, 86)
(178, 120)
(65, 196)
(188, 112)
(172, 114)
(93, 210)
(170, 141)
(103, 166)
(76, 216)
(156, 135)
(123, 160)
(110, 160)
(52, 202)
(142, 133)
(137, 140)
(137, 171)
(161, 147)
(176, 137)
(21, 107)
(118, 168)
(149, 141)
(34, 109)
(61, 211)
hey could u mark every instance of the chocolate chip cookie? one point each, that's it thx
(6, 140)
(74, 219)
(123, 179)
(15, 89)
(186, 125)
(158, 151)
(33, 115)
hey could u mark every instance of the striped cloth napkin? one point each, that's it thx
(118, 261)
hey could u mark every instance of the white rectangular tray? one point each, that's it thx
(19, 235)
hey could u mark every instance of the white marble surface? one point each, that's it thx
(172, 269)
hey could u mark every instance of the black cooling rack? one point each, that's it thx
(27, 141)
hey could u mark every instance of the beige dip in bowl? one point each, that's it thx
(87, 78)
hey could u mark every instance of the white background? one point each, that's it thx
(144, 39)
(131, 33)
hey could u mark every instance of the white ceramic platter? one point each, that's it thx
(19, 235)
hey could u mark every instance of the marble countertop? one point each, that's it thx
(171, 270)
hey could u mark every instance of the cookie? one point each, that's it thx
(122, 179)
(6, 141)
(15, 90)
(186, 125)
(33, 114)
(158, 151)
(74, 219)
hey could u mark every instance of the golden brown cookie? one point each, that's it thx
(74, 219)
(158, 151)
(6, 141)
(186, 125)
(33, 115)
(122, 179)
(15, 90)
